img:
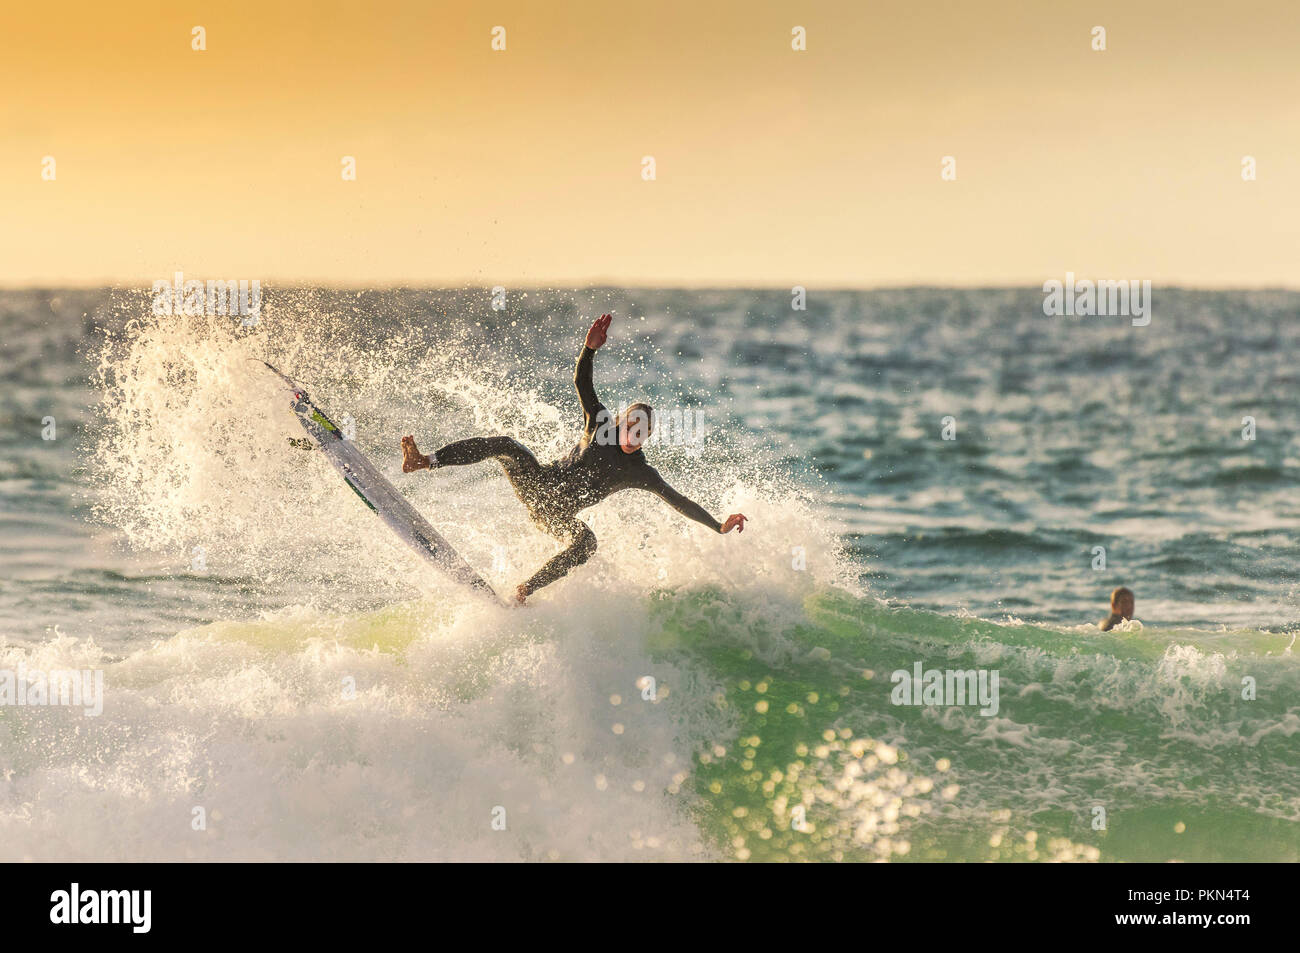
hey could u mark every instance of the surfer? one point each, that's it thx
(1121, 608)
(606, 460)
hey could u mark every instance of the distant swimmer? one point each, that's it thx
(606, 460)
(1121, 608)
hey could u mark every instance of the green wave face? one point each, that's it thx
(1115, 747)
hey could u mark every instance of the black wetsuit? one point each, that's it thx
(591, 471)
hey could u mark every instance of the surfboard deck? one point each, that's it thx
(377, 492)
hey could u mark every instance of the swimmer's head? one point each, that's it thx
(634, 427)
(1122, 602)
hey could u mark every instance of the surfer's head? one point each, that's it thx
(634, 427)
(1122, 602)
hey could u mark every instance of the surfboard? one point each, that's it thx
(376, 491)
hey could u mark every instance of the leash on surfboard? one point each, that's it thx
(293, 385)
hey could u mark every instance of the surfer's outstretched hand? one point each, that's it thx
(599, 328)
(412, 458)
(521, 593)
(735, 521)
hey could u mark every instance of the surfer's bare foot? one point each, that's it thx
(412, 458)
(521, 593)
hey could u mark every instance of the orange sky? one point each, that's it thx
(774, 167)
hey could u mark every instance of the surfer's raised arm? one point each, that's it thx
(654, 483)
(591, 405)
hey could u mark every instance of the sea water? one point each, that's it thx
(936, 480)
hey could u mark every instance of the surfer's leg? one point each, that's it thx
(516, 459)
(582, 543)
(521, 467)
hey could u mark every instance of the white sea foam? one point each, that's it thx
(460, 707)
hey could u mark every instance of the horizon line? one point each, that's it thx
(608, 284)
